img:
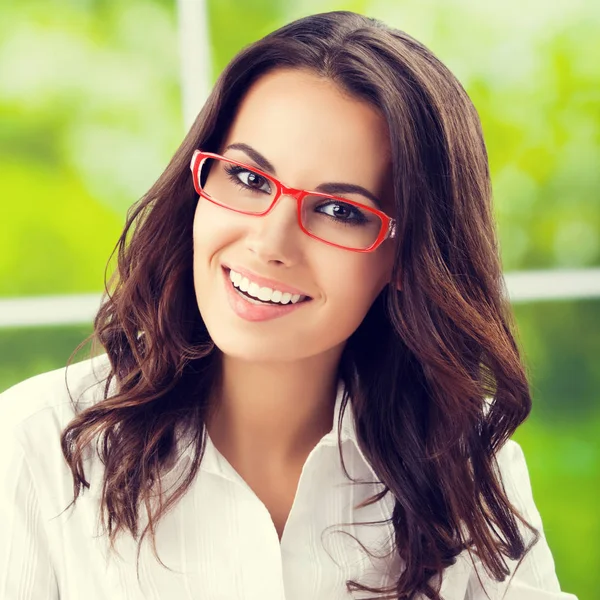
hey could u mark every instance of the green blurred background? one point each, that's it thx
(90, 113)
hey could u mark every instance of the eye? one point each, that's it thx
(254, 180)
(340, 211)
(248, 179)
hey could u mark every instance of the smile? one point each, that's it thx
(250, 308)
(263, 294)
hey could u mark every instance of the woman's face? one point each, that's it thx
(311, 133)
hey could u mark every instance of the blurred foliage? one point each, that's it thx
(561, 441)
(25, 352)
(90, 115)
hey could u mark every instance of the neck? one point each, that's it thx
(273, 414)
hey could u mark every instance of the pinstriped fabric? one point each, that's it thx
(218, 542)
(25, 569)
(188, 537)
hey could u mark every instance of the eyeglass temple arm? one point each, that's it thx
(391, 232)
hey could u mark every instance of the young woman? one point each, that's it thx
(309, 374)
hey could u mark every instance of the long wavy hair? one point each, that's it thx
(434, 371)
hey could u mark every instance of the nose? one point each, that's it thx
(277, 235)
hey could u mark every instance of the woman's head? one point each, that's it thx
(421, 324)
(315, 136)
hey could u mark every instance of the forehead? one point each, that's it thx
(310, 129)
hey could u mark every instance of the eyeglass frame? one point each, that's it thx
(388, 224)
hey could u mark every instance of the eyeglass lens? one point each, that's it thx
(329, 219)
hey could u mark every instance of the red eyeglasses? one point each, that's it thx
(331, 219)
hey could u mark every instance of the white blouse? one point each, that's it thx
(218, 542)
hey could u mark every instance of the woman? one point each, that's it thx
(310, 375)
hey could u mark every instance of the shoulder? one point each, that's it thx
(510, 458)
(33, 415)
(514, 475)
(53, 395)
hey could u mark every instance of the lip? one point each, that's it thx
(249, 311)
(265, 282)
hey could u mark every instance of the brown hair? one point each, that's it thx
(434, 372)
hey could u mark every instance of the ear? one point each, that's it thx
(389, 283)
(394, 281)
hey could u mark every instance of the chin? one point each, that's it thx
(258, 352)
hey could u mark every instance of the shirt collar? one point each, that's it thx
(347, 429)
(212, 461)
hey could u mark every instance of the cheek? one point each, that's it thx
(211, 231)
(209, 235)
(204, 223)
(351, 286)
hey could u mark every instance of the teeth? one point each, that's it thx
(265, 294)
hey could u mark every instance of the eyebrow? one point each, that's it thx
(332, 187)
